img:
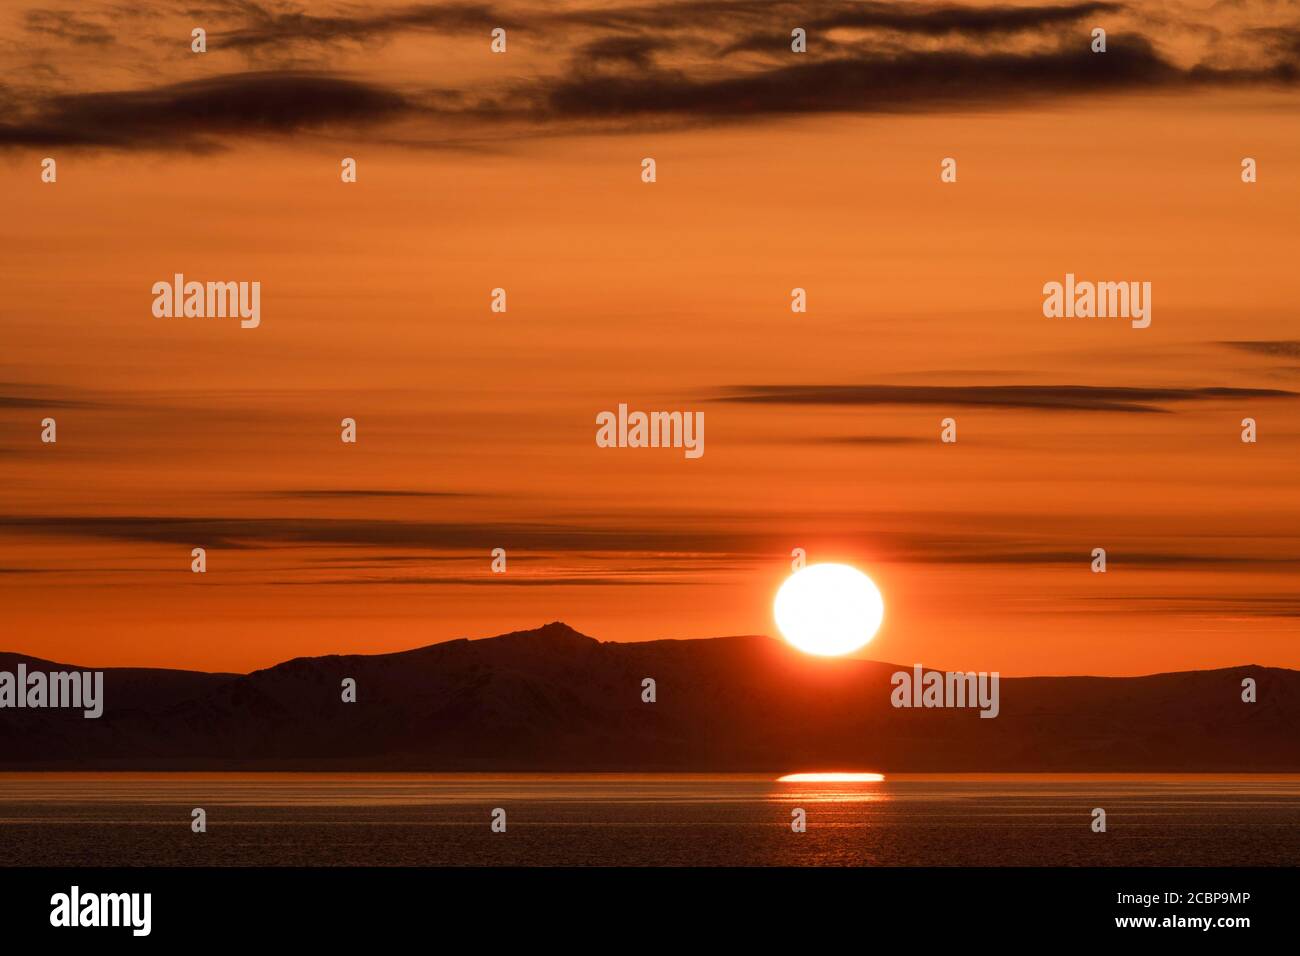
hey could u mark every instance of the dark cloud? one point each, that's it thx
(930, 18)
(636, 51)
(939, 20)
(281, 29)
(1148, 560)
(29, 401)
(1040, 397)
(266, 27)
(248, 533)
(504, 580)
(884, 81)
(620, 77)
(310, 494)
(195, 115)
(1221, 605)
(1277, 348)
(67, 26)
(1280, 40)
(921, 20)
(869, 440)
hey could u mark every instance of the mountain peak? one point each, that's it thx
(554, 631)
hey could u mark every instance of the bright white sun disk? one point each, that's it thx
(829, 609)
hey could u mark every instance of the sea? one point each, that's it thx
(314, 819)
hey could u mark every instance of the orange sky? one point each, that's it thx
(176, 433)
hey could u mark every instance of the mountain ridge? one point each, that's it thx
(554, 627)
(554, 699)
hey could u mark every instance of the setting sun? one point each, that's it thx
(829, 609)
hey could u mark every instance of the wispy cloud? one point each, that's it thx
(1037, 397)
(33, 401)
(266, 27)
(1277, 348)
(65, 25)
(312, 494)
(196, 115)
(983, 539)
(880, 440)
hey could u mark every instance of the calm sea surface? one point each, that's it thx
(649, 820)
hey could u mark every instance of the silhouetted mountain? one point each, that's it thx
(554, 699)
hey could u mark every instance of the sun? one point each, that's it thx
(828, 609)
